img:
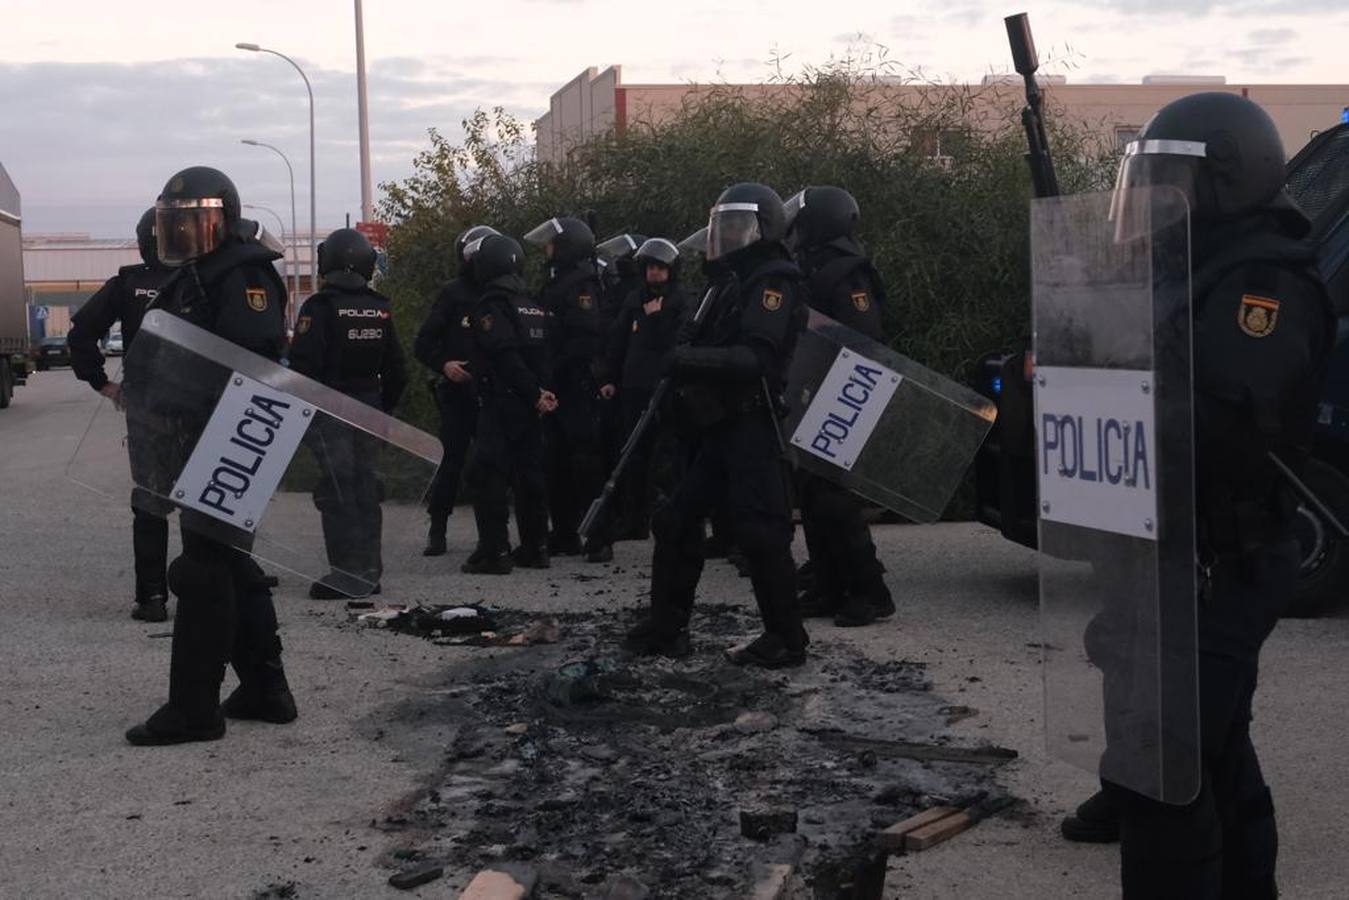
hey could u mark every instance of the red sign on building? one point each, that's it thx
(377, 233)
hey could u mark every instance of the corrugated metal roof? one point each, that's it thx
(66, 258)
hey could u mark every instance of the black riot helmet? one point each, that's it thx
(495, 256)
(1221, 151)
(571, 240)
(657, 251)
(145, 238)
(818, 215)
(468, 236)
(620, 246)
(346, 259)
(744, 215)
(196, 212)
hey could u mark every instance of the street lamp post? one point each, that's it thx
(294, 231)
(313, 215)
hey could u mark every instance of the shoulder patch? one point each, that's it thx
(303, 324)
(485, 322)
(1257, 316)
(585, 301)
(772, 300)
(861, 301)
(257, 299)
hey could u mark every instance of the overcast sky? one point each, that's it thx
(102, 101)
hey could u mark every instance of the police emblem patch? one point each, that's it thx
(861, 301)
(585, 301)
(257, 299)
(1257, 316)
(303, 325)
(772, 300)
(486, 322)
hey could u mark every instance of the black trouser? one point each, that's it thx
(348, 496)
(225, 614)
(458, 421)
(575, 453)
(152, 468)
(738, 460)
(1223, 844)
(508, 454)
(842, 554)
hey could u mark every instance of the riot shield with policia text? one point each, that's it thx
(1115, 464)
(260, 458)
(879, 424)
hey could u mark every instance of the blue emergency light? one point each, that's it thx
(1344, 116)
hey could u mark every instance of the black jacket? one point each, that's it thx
(573, 298)
(846, 287)
(235, 293)
(639, 344)
(346, 340)
(123, 298)
(512, 354)
(1263, 332)
(447, 333)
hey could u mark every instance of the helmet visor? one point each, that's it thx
(658, 250)
(188, 229)
(695, 243)
(732, 227)
(1147, 165)
(543, 235)
(617, 247)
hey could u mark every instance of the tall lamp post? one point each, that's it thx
(294, 231)
(313, 215)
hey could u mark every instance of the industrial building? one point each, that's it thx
(596, 102)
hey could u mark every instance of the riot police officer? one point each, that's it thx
(575, 457)
(345, 339)
(620, 273)
(639, 348)
(444, 344)
(511, 360)
(226, 283)
(847, 581)
(1262, 333)
(728, 377)
(124, 298)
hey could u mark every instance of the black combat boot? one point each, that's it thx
(767, 651)
(1096, 821)
(531, 557)
(484, 562)
(152, 606)
(263, 695)
(435, 539)
(650, 638)
(564, 544)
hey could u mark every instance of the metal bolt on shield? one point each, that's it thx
(1147, 523)
(178, 494)
(1044, 507)
(1147, 388)
(238, 381)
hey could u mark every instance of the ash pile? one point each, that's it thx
(601, 775)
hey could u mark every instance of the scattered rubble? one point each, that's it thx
(692, 778)
(416, 876)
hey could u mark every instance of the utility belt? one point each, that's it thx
(702, 405)
(1231, 527)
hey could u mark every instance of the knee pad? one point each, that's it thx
(201, 579)
(761, 537)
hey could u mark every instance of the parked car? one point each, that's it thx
(53, 351)
(112, 344)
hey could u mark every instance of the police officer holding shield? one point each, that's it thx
(226, 283)
(575, 460)
(345, 339)
(1262, 330)
(728, 377)
(444, 344)
(847, 581)
(511, 359)
(124, 298)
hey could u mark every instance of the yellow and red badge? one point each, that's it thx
(772, 300)
(303, 324)
(257, 299)
(1257, 316)
(585, 301)
(861, 301)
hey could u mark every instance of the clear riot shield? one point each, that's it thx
(1111, 297)
(258, 457)
(881, 425)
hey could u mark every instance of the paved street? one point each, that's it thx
(83, 814)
